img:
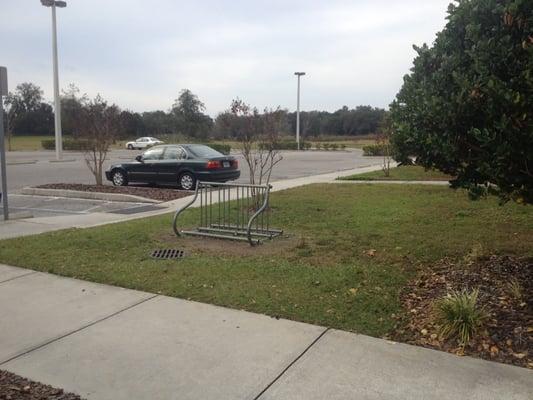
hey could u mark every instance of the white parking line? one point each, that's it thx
(96, 206)
(92, 205)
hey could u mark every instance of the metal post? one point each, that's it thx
(3, 160)
(57, 101)
(298, 115)
(298, 74)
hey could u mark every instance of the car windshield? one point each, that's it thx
(202, 151)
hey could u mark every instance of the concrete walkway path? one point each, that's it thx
(104, 342)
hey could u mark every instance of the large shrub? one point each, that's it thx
(68, 144)
(467, 106)
(374, 150)
(221, 147)
(286, 145)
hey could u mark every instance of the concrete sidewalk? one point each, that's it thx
(34, 226)
(104, 342)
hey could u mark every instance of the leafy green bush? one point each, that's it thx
(343, 146)
(326, 146)
(318, 145)
(459, 316)
(220, 147)
(306, 146)
(334, 146)
(466, 107)
(287, 145)
(68, 144)
(374, 150)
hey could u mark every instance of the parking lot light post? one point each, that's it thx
(53, 4)
(298, 74)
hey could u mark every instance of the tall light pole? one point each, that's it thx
(57, 102)
(298, 74)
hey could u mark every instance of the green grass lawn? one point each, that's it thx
(319, 272)
(402, 173)
(27, 143)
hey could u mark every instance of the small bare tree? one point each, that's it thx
(259, 137)
(96, 126)
(383, 140)
(13, 107)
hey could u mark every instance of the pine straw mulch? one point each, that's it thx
(505, 293)
(149, 192)
(14, 387)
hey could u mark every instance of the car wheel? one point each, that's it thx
(187, 181)
(119, 178)
(130, 147)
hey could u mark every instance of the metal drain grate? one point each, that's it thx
(166, 254)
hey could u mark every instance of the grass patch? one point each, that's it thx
(321, 272)
(402, 173)
(27, 143)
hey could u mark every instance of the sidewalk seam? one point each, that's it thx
(77, 330)
(291, 364)
(20, 276)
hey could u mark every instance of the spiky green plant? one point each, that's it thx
(515, 289)
(459, 315)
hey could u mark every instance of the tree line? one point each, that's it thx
(28, 113)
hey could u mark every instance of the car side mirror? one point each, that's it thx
(139, 158)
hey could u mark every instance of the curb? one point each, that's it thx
(62, 161)
(13, 216)
(383, 181)
(78, 194)
(21, 162)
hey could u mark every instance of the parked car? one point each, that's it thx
(143, 143)
(176, 164)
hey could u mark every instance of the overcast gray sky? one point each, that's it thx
(140, 53)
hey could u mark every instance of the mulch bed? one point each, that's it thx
(507, 333)
(154, 193)
(14, 387)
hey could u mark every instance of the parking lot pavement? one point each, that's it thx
(46, 206)
(37, 167)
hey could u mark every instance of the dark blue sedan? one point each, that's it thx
(180, 165)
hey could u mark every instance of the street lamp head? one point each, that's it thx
(50, 3)
(299, 73)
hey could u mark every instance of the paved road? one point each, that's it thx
(105, 342)
(35, 168)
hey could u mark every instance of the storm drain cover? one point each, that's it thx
(167, 254)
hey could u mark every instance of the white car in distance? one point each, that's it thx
(143, 143)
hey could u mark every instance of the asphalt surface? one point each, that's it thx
(39, 167)
(48, 206)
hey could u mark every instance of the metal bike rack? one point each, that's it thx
(231, 211)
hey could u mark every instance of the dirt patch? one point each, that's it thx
(15, 387)
(227, 248)
(154, 193)
(505, 293)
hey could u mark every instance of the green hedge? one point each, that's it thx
(287, 145)
(220, 147)
(374, 150)
(68, 144)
